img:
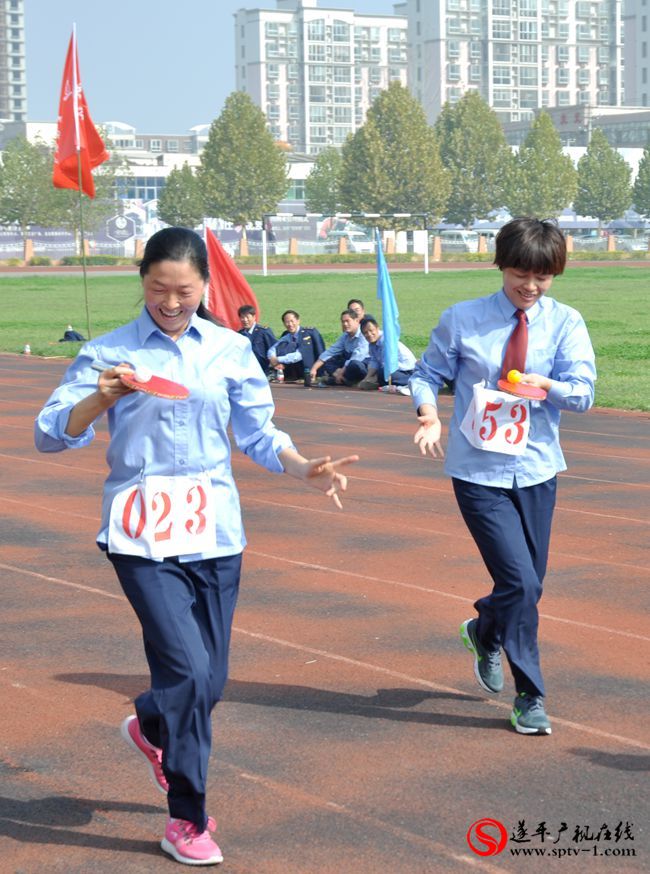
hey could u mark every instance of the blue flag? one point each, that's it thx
(390, 313)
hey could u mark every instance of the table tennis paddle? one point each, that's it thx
(142, 379)
(522, 390)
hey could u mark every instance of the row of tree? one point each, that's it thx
(463, 168)
(460, 169)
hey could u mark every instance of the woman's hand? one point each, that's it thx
(320, 473)
(427, 437)
(537, 380)
(110, 389)
(109, 385)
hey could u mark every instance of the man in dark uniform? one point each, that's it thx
(261, 338)
(297, 348)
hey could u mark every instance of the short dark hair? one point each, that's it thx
(531, 244)
(289, 313)
(356, 300)
(350, 313)
(246, 310)
(368, 320)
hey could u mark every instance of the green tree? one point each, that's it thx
(543, 179)
(322, 185)
(474, 150)
(243, 171)
(27, 195)
(604, 189)
(392, 163)
(641, 190)
(181, 200)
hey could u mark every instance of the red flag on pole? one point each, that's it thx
(78, 143)
(228, 288)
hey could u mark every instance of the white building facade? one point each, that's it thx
(13, 72)
(314, 71)
(636, 14)
(520, 55)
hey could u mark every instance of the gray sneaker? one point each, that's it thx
(487, 665)
(528, 715)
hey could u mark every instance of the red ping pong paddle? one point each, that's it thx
(522, 390)
(143, 380)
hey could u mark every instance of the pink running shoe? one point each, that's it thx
(130, 731)
(188, 845)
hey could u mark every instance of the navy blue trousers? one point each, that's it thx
(354, 372)
(185, 610)
(512, 529)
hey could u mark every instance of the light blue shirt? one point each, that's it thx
(150, 435)
(468, 345)
(405, 358)
(352, 347)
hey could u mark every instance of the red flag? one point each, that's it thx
(228, 288)
(76, 135)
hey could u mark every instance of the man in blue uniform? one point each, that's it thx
(297, 348)
(345, 362)
(261, 337)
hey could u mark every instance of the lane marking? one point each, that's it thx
(368, 666)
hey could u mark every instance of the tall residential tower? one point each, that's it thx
(315, 72)
(13, 80)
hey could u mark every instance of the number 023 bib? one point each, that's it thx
(496, 421)
(162, 516)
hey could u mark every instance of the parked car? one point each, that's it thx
(631, 243)
(589, 241)
(458, 241)
(357, 241)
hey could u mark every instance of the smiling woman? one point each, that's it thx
(171, 522)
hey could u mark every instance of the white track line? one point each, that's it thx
(377, 669)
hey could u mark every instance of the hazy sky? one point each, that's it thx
(160, 65)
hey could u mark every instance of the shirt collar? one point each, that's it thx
(509, 309)
(146, 326)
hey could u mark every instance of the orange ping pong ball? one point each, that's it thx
(513, 376)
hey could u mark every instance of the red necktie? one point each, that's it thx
(515, 357)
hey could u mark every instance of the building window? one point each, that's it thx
(341, 74)
(172, 145)
(316, 53)
(528, 30)
(341, 31)
(453, 48)
(475, 72)
(316, 30)
(528, 8)
(584, 53)
(528, 76)
(317, 114)
(502, 7)
(453, 72)
(155, 146)
(317, 74)
(501, 30)
(272, 71)
(563, 98)
(528, 99)
(501, 76)
(502, 53)
(562, 54)
(583, 77)
(342, 95)
(317, 94)
(341, 54)
(583, 32)
(343, 115)
(272, 92)
(562, 76)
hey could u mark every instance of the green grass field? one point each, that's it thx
(613, 300)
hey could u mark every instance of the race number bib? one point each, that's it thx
(162, 516)
(496, 421)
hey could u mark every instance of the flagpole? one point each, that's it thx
(75, 104)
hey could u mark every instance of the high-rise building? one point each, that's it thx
(315, 72)
(520, 55)
(13, 80)
(636, 76)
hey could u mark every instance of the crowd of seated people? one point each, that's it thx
(355, 358)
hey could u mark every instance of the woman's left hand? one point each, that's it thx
(323, 474)
(537, 380)
(320, 473)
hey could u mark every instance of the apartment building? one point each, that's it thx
(636, 76)
(13, 76)
(520, 55)
(315, 71)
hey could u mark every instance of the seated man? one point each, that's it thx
(297, 349)
(345, 361)
(376, 377)
(262, 338)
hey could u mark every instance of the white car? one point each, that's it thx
(358, 242)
